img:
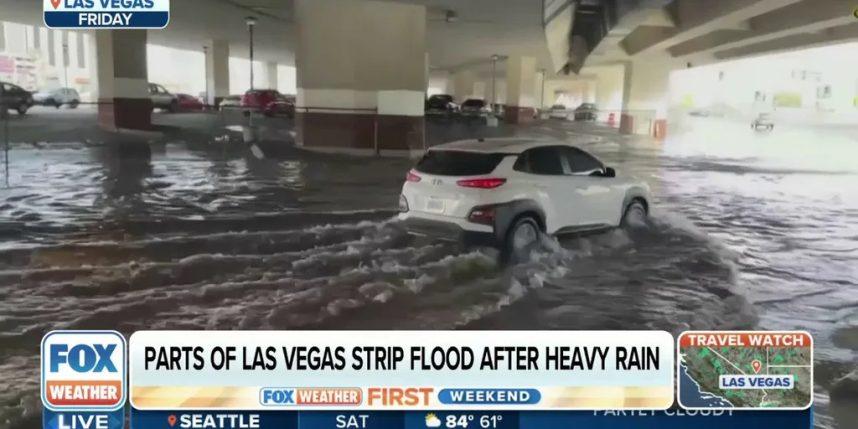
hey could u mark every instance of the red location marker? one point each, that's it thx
(756, 365)
(55, 3)
(171, 419)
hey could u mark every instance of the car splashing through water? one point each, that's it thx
(200, 237)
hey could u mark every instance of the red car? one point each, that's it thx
(269, 102)
(188, 102)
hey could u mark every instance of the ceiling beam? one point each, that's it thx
(827, 36)
(802, 17)
(696, 18)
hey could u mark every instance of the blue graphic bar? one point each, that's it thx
(351, 420)
(489, 396)
(221, 419)
(670, 419)
(81, 419)
(107, 19)
(463, 420)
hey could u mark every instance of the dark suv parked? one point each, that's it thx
(13, 97)
(441, 103)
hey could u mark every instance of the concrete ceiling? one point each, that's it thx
(697, 31)
(483, 28)
(688, 31)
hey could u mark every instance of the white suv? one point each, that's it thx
(504, 192)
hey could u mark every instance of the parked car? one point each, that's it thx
(162, 99)
(705, 113)
(506, 192)
(268, 101)
(558, 111)
(586, 112)
(475, 107)
(230, 102)
(282, 106)
(13, 97)
(57, 97)
(764, 121)
(189, 103)
(441, 104)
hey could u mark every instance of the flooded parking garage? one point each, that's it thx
(242, 165)
(747, 232)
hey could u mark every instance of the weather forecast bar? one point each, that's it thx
(460, 419)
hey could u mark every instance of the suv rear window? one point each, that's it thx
(458, 163)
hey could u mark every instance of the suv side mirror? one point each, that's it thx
(607, 172)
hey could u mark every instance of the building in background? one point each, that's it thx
(818, 85)
(40, 58)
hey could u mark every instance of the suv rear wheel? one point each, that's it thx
(521, 237)
(22, 109)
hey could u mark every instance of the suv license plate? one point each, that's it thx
(435, 205)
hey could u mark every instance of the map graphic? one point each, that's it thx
(745, 369)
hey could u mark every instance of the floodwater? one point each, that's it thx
(749, 230)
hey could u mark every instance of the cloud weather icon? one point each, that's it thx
(432, 421)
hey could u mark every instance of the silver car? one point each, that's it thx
(162, 99)
(763, 121)
(57, 97)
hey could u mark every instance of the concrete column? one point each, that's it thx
(590, 92)
(426, 71)
(361, 76)
(122, 80)
(440, 82)
(271, 74)
(217, 72)
(645, 97)
(463, 85)
(520, 89)
(609, 91)
(500, 91)
(483, 89)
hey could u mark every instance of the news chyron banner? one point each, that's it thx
(745, 370)
(401, 370)
(106, 14)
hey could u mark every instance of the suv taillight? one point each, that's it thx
(485, 183)
(411, 177)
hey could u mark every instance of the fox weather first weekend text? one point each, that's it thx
(106, 14)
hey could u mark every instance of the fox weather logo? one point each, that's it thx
(83, 370)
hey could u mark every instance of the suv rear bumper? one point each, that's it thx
(449, 230)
